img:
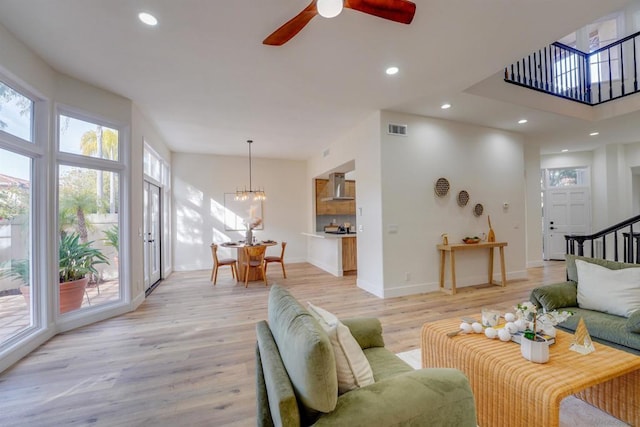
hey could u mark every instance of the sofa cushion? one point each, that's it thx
(609, 291)
(604, 328)
(555, 296)
(305, 350)
(633, 322)
(352, 366)
(572, 271)
(385, 364)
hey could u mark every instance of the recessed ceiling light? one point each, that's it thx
(594, 134)
(522, 121)
(148, 18)
(565, 150)
(445, 106)
(392, 70)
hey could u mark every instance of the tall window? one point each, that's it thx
(88, 212)
(589, 39)
(17, 296)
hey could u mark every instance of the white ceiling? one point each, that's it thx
(209, 84)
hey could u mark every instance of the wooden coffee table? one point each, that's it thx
(509, 390)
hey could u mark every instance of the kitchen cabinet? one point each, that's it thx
(349, 255)
(335, 207)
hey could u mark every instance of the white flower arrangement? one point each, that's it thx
(540, 322)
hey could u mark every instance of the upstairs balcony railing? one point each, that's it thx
(605, 74)
(609, 243)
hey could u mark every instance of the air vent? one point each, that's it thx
(397, 129)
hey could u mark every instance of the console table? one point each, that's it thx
(453, 248)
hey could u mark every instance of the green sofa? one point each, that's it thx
(297, 383)
(614, 331)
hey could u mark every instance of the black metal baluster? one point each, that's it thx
(535, 70)
(529, 60)
(635, 67)
(621, 71)
(610, 77)
(630, 247)
(615, 245)
(599, 79)
(604, 247)
(518, 66)
(555, 71)
(587, 77)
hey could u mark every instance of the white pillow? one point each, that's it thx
(351, 364)
(609, 291)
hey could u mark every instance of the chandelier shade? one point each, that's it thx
(250, 194)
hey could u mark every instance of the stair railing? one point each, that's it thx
(605, 74)
(597, 242)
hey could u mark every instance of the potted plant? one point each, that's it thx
(112, 238)
(534, 346)
(77, 261)
(17, 269)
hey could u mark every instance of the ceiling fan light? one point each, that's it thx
(329, 8)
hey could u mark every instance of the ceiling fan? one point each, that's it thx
(394, 10)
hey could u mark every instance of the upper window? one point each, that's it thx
(16, 113)
(88, 139)
(567, 177)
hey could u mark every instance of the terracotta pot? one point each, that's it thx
(26, 293)
(72, 294)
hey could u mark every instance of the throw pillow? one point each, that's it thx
(572, 271)
(633, 322)
(352, 366)
(608, 291)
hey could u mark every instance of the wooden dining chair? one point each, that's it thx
(218, 262)
(279, 259)
(254, 258)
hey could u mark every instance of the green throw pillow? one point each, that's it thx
(572, 270)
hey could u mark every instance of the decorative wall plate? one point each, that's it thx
(478, 209)
(442, 187)
(463, 198)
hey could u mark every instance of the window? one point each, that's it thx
(88, 139)
(16, 113)
(89, 209)
(602, 34)
(566, 177)
(18, 290)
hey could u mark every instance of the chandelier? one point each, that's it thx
(245, 194)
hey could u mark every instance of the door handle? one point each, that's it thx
(151, 241)
(552, 228)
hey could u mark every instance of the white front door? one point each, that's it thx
(566, 211)
(151, 234)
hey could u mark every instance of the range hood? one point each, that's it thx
(337, 189)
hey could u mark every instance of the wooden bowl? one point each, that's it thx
(470, 241)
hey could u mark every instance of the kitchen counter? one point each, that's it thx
(323, 235)
(329, 252)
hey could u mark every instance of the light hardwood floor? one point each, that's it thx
(186, 356)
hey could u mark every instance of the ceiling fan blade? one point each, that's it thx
(292, 27)
(394, 10)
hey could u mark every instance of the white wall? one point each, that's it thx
(488, 163)
(533, 204)
(142, 130)
(199, 184)
(361, 144)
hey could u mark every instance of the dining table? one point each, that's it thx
(254, 273)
